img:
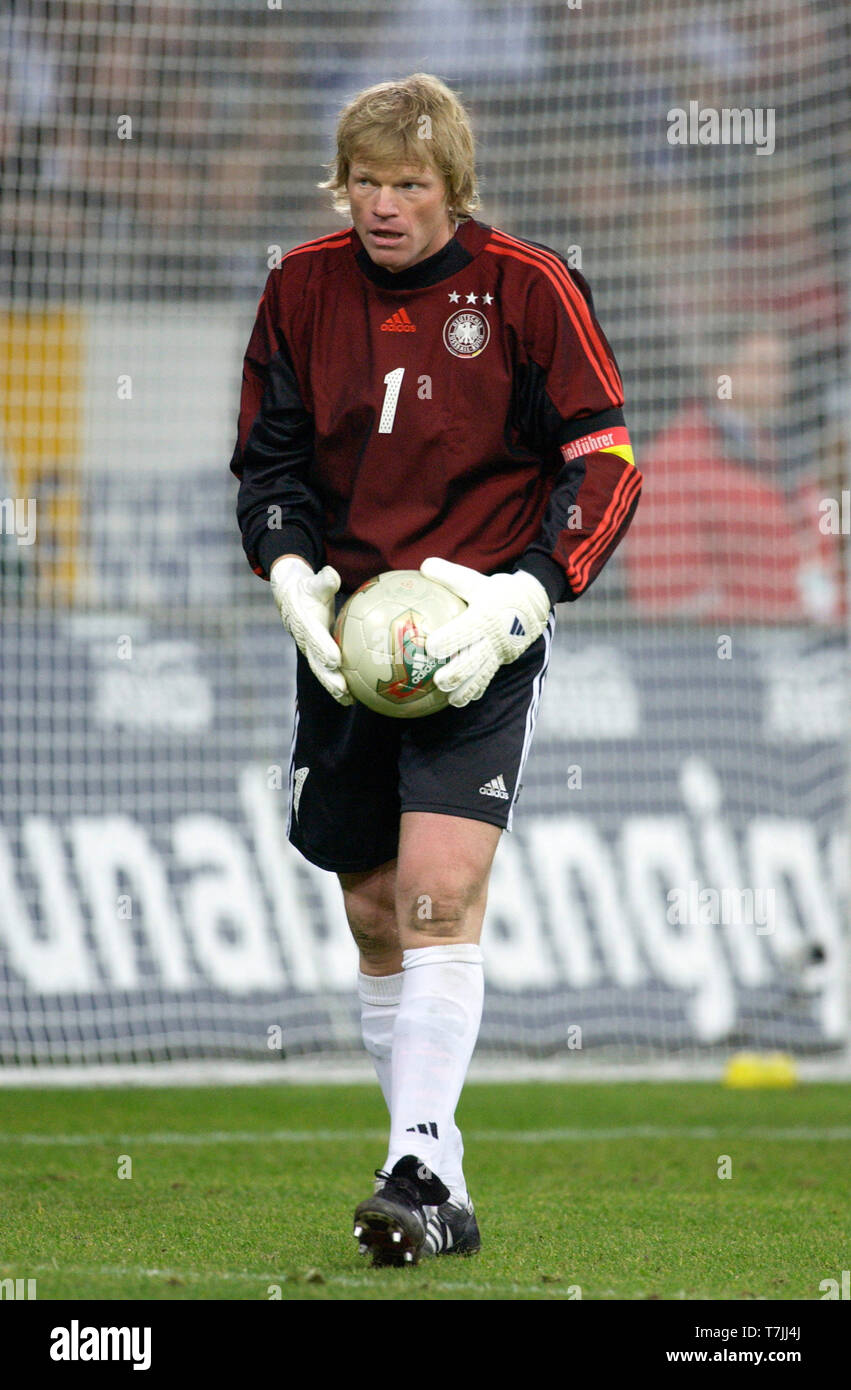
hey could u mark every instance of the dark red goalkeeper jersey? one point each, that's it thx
(468, 407)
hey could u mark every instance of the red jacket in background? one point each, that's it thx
(717, 537)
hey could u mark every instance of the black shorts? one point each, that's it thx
(353, 772)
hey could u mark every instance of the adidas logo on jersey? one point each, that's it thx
(398, 323)
(495, 787)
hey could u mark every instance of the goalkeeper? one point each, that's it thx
(422, 390)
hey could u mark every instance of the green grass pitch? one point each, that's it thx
(610, 1189)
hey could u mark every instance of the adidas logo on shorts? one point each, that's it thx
(299, 779)
(495, 787)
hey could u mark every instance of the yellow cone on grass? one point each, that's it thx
(760, 1069)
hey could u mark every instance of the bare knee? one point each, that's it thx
(449, 909)
(369, 901)
(442, 877)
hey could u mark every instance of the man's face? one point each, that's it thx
(399, 212)
(761, 376)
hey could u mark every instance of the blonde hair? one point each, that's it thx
(418, 121)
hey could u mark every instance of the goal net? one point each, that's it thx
(675, 885)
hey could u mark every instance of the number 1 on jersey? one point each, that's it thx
(393, 382)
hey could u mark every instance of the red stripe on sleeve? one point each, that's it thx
(574, 302)
(583, 557)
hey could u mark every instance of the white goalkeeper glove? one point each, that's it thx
(306, 604)
(506, 613)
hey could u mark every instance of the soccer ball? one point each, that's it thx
(381, 631)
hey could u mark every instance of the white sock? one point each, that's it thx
(436, 1029)
(379, 1004)
(452, 1166)
(379, 999)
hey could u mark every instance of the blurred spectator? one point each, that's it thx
(717, 536)
(30, 77)
(779, 261)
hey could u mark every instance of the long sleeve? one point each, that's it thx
(277, 509)
(570, 399)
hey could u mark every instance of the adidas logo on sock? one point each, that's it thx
(430, 1128)
(495, 787)
(398, 323)
(517, 629)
